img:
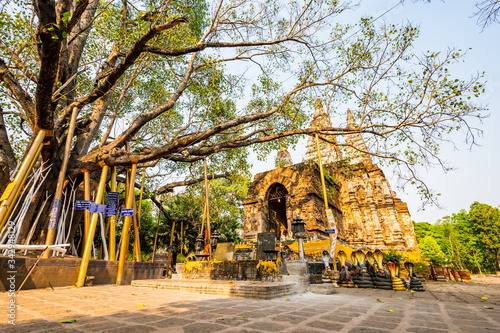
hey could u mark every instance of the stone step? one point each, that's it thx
(322, 289)
(244, 289)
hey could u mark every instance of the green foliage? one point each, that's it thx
(421, 267)
(469, 240)
(393, 253)
(486, 225)
(215, 101)
(226, 216)
(369, 65)
(431, 250)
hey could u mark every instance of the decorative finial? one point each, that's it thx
(350, 119)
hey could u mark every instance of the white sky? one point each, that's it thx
(445, 25)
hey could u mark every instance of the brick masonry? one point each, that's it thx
(367, 211)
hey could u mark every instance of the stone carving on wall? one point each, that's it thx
(378, 192)
(369, 227)
(386, 228)
(358, 224)
(410, 238)
(369, 191)
(361, 193)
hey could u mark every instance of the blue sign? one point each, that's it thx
(112, 198)
(127, 212)
(110, 210)
(330, 231)
(97, 208)
(53, 214)
(82, 204)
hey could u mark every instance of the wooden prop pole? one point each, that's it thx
(137, 240)
(208, 207)
(112, 222)
(56, 203)
(182, 242)
(137, 222)
(129, 200)
(140, 197)
(93, 223)
(86, 197)
(204, 216)
(13, 190)
(332, 245)
(169, 257)
(156, 236)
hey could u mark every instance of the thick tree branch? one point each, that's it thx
(203, 46)
(171, 186)
(77, 14)
(128, 61)
(22, 96)
(7, 157)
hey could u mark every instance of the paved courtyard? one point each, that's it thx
(445, 307)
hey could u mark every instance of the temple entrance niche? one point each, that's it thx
(277, 197)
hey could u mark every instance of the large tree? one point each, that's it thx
(185, 80)
(470, 240)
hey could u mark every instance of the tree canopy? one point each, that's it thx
(469, 240)
(185, 80)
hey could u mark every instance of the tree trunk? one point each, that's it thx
(459, 258)
(477, 263)
(7, 157)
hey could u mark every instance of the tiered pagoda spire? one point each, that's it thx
(356, 149)
(330, 152)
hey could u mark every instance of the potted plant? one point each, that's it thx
(464, 275)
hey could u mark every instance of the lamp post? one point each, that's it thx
(299, 233)
(214, 239)
(199, 243)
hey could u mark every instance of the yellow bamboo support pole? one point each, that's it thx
(56, 203)
(204, 215)
(126, 225)
(156, 235)
(13, 190)
(137, 241)
(140, 196)
(86, 197)
(207, 207)
(182, 234)
(93, 223)
(137, 222)
(112, 222)
(324, 194)
(169, 257)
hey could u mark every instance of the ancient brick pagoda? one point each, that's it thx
(367, 211)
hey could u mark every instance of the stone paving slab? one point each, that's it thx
(246, 289)
(445, 307)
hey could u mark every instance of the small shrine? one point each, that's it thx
(367, 211)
